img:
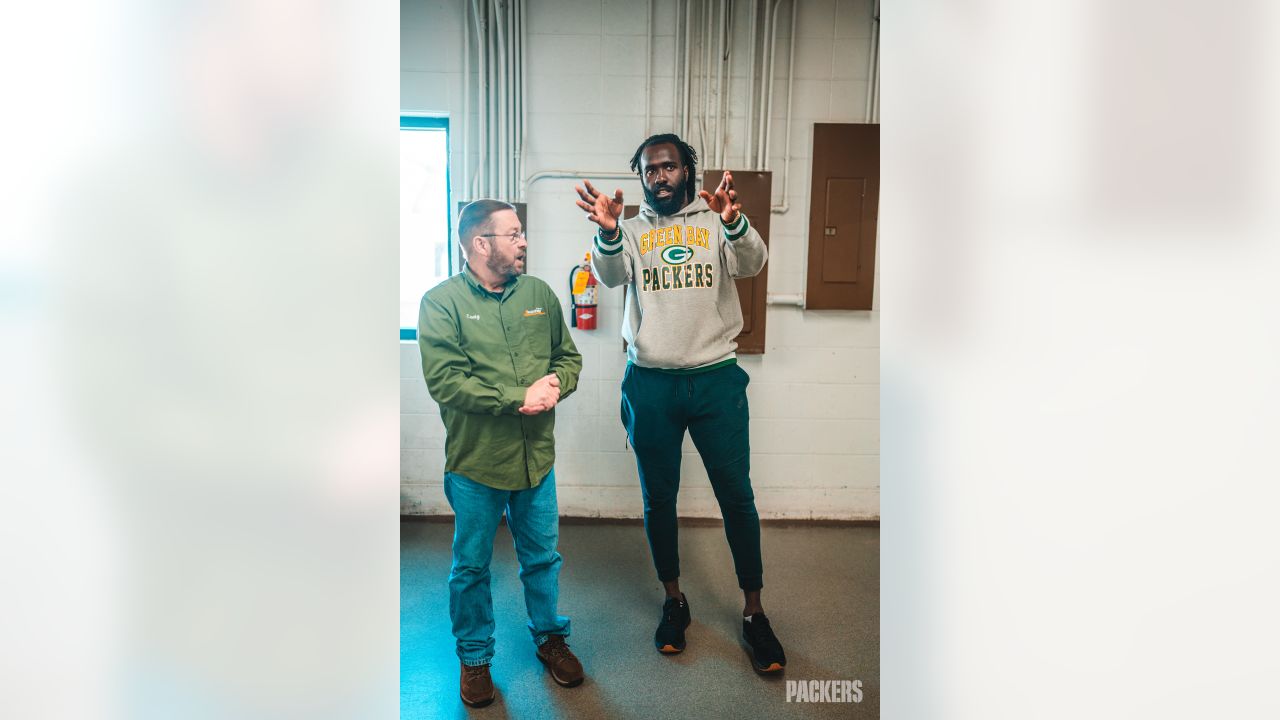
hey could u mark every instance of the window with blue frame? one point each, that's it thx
(426, 257)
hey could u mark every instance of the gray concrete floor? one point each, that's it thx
(822, 594)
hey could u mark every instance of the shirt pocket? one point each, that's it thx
(535, 334)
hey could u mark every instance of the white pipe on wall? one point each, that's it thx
(675, 75)
(873, 56)
(648, 65)
(875, 101)
(768, 115)
(510, 98)
(727, 60)
(766, 77)
(516, 97)
(796, 299)
(500, 74)
(584, 174)
(481, 127)
(717, 130)
(708, 11)
(466, 100)
(684, 119)
(524, 89)
(751, 85)
(491, 164)
(791, 84)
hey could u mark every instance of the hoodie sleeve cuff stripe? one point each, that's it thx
(738, 228)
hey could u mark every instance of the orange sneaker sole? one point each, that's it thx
(670, 649)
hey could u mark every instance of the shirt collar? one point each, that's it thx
(469, 275)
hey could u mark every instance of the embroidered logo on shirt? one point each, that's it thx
(473, 317)
(531, 312)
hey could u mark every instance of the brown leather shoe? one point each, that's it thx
(476, 687)
(565, 668)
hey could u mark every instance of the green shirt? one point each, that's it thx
(480, 353)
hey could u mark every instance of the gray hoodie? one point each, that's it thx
(682, 306)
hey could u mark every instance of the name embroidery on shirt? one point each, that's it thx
(473, 317)
(532, 312)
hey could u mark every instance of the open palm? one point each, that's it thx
(601, 209)
(724, 200)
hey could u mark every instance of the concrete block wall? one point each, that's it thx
(814, 394)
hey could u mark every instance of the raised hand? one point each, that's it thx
(601, 209)
(542, 395)
(724, 200)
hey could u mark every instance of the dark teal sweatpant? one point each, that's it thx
(657, 408)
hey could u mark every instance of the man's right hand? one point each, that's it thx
(601, 209)
(542, 395)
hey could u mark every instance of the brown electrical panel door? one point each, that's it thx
(843, 210)
(755, 193)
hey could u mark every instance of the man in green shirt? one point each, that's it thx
(497, 358)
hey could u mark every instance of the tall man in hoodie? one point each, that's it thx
(679, 258)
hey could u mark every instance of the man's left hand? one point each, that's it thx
(724, 200)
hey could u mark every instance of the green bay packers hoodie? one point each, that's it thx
(681, 308)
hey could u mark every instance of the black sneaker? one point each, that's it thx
(669, 637)
(766, 652)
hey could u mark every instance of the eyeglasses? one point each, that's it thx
(512, 237)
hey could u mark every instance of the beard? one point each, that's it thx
(672, 203)
(506, 267)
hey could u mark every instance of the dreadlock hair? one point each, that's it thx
(688, 157)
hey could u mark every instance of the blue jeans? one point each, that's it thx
(534, 519)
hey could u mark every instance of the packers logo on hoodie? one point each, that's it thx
(676, 255)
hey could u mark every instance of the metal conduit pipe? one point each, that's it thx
(768, 115)
(474, 190)
(796, 299)
(524, 90)
(577, 175)
(648, 64)
(511, 98)
(751, 85)
(500, 74)
(708, 12)
(728, 73)
(688, 19)
(873, 58)
(791, 84)
(766, 78)
(513, 91)
(466, 103)
(491, 164)
(716, 128)
(675, 75)
(875, 101)
(516, 96)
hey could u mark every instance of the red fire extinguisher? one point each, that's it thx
(583, 294)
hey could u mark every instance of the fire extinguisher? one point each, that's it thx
(583, 294)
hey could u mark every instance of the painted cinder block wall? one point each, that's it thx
(814, 394)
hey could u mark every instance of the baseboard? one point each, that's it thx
(684, 521)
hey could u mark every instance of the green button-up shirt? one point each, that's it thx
(480, 353)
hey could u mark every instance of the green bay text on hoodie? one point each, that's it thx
(682, 307)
